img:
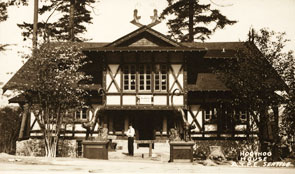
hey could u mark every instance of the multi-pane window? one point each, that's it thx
(160, 77)
(145, 77)
(81, 114)
(210, 114)
(145, 74)
(129, 77)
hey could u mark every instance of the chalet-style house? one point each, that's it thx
(145, 77)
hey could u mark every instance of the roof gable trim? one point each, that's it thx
(141, 31)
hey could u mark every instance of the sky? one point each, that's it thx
(111, 20)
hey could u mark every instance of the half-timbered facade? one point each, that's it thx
(143, 78)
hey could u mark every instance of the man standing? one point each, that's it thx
(130, 133)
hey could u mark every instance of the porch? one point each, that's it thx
(148, 124)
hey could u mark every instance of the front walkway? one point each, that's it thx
(161, 152)
(141, 153)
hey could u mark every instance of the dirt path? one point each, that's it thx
(28, 165)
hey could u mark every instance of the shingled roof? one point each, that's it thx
(207, 82)
(211, 50)
(218, 49)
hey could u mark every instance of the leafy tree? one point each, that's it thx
(9, 128)
(51, 85)
(288, 122)
(74, 14)
(3, 11)
(272, 45)
(256, 76)
(193, 20)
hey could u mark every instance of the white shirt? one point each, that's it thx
(130, 132)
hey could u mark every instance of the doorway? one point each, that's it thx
(145, 127)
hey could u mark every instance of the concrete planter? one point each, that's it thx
(95, 149)
(180, 150)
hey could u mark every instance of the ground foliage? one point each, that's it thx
(231, 149)
(9, 128)
(205, 20)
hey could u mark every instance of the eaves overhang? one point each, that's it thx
(144, 49)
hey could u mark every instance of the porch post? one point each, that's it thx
(25, 115)
(164, 125)
(111, 121)
(104, 121)
(126, 123)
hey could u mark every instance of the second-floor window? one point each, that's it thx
(143, 75)
(129, 77)
(160, 77)
(81, 114)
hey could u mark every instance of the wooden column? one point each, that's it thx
(164, 132)
(104, 121)
(126, 123)
(111, 123)
(25, 115)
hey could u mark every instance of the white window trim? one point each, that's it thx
(161, 78)
(129, 77)
(145, 78)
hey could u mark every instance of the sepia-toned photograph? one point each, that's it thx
(147, 86)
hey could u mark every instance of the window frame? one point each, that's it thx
(160, 75)
(239, 114)
(131, 76)
(145, 74)
(212, 115)
(82, 112)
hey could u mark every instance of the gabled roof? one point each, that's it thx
(146, 39)
(147, 33)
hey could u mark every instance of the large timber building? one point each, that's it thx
(142, 78)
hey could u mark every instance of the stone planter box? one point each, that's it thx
(95, 149)
(180, 150)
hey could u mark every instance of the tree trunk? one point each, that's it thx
(35, 27)
(51, 146)
(191, 21)
(71, 23)
(262, 127)
(275, 149)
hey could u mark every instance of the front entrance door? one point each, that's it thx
(145, 126)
